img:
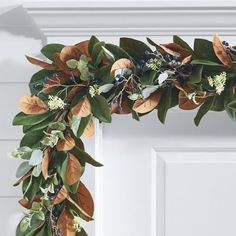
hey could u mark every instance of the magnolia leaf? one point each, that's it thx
(105, 88)
(26, 204)
(93, 40)
(182, 43)
(148, 77)
(32, 105)
(108, 54)
(65, 223)
(66, 144)
(146, 105)
(82, 109)
(42, 64)
(100, 108)
(83, 48)
(220, 52)
(32, 139)
(23, 178)
(189, 104)
(24, 119)
(61, 196)
(73, 170)
(82, 125)
(134, 48)
(196, 75)
(122, 63)
(85, 200)
(23, 169)
(45, 163)
(84, 157)
(69, 52)
(49, 50)
(89, 130)
(204, 108)
(117, 51)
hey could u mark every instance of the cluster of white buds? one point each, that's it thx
(55, 103)
(154, 64)
(94, 90)
(218, 81)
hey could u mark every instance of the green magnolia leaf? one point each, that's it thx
(196, 75)
(117, 51)
(36, 157)
(230, 106)
(29, 120)
(43, 125)
(84, 157)
(93, 40)
(100, 108)
(82, 125)
(204, 108)
(203, 50)
(103, 73)
(218, 103)
(108, 54)
(33, 188)
(23, 169)
(37, 170)
(50, 49)
(182, 43)
(205, 62)
(98, 53)
(75, 124)
(164, 104)
(32, 139)
(37, 80)
(148, 77)
(134, 48)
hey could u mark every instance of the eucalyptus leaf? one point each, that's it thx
(105, 88)
(23, 169)
(37, 170)
(36, 157)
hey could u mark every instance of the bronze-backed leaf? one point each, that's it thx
(85, 200)
(45, 163)
(82, 108)
(121, 64)
(52, 82)
(73, 170)
(187, 60)
(42, 64)
(74, 91)
(61, 196)
(32, 105)
(83, 48)
(70, 52)
(122, 109)
(188, 104)
(89, 130)
(175, 50)
(220, 52)
(66, 144)
(24, 177)
(25, 203)
(65, 224)
(146, 105)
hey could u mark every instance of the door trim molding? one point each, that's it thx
(138, 19)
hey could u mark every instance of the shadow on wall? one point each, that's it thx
(16, 21)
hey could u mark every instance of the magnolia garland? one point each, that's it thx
(94, 79)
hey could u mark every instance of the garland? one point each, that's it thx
(93, 79)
